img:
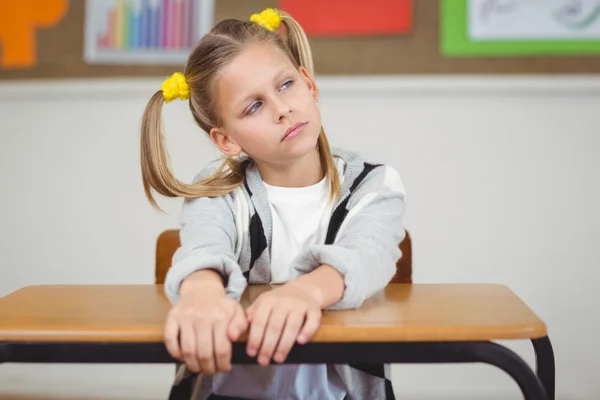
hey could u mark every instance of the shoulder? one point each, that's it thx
(363, 175)
(226, 201)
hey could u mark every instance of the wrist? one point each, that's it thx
(324, 285)
(206, 281)
(309, 289)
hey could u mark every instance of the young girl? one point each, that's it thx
(282, 208)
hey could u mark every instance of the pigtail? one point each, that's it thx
(299, 46)
(155, 163)
(329, 167)
(297, 42)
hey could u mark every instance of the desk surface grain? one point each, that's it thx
(401, 312)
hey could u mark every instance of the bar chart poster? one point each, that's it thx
(144, 31)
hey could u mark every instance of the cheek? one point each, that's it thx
(254, 133)
(309, 102)
(314, 110)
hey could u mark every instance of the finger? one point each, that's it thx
(222, 346)
(257, 329)
(188, 346)
(273, 331)
(250, 311)
(171, 337)
(293, 324)
(253, 308)
(237, 325)
(204, 347)
(313, 320)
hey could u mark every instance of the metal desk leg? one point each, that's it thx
(512, 364)
(545, 368)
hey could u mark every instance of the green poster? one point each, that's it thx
(455, 40)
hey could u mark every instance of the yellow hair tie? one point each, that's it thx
(175, 87)
(269, 18)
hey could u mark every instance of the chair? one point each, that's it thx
(168, 242)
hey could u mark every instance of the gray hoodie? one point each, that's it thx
(232, 234)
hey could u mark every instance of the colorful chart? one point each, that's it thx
(345, 18)
(145, 31)
(492, 28)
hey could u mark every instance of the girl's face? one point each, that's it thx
(267, 107)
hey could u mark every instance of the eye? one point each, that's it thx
(254, 107)
(287, 84)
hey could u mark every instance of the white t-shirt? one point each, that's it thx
(300, 219)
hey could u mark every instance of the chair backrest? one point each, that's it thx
(168, 242)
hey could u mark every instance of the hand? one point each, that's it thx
(278, 318)
(200, 328)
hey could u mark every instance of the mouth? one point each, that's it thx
(294, 130)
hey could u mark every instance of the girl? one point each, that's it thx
(326, 225)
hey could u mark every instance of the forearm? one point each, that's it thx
(207, 237)
(325, 283)
(202, 281)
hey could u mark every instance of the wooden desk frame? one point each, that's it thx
(540, 386)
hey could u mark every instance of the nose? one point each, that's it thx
(282, 110)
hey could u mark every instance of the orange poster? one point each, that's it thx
(19, 20)
(345, 18)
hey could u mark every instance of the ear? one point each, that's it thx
(224, 142)
(312, 86)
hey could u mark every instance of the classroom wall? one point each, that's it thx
(502, 176)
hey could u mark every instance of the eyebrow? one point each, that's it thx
(277, 77)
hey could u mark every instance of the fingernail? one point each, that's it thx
(263, 360)
(251, 352)
(301, 339)
(278, 357)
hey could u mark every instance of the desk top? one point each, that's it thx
(401, 312)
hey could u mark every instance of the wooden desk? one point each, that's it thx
(418, 323)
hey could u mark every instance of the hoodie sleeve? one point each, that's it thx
(366, 247)
(208, 238)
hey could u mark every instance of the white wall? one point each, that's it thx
(502, 176)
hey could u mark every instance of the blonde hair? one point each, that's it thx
(215, 50)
